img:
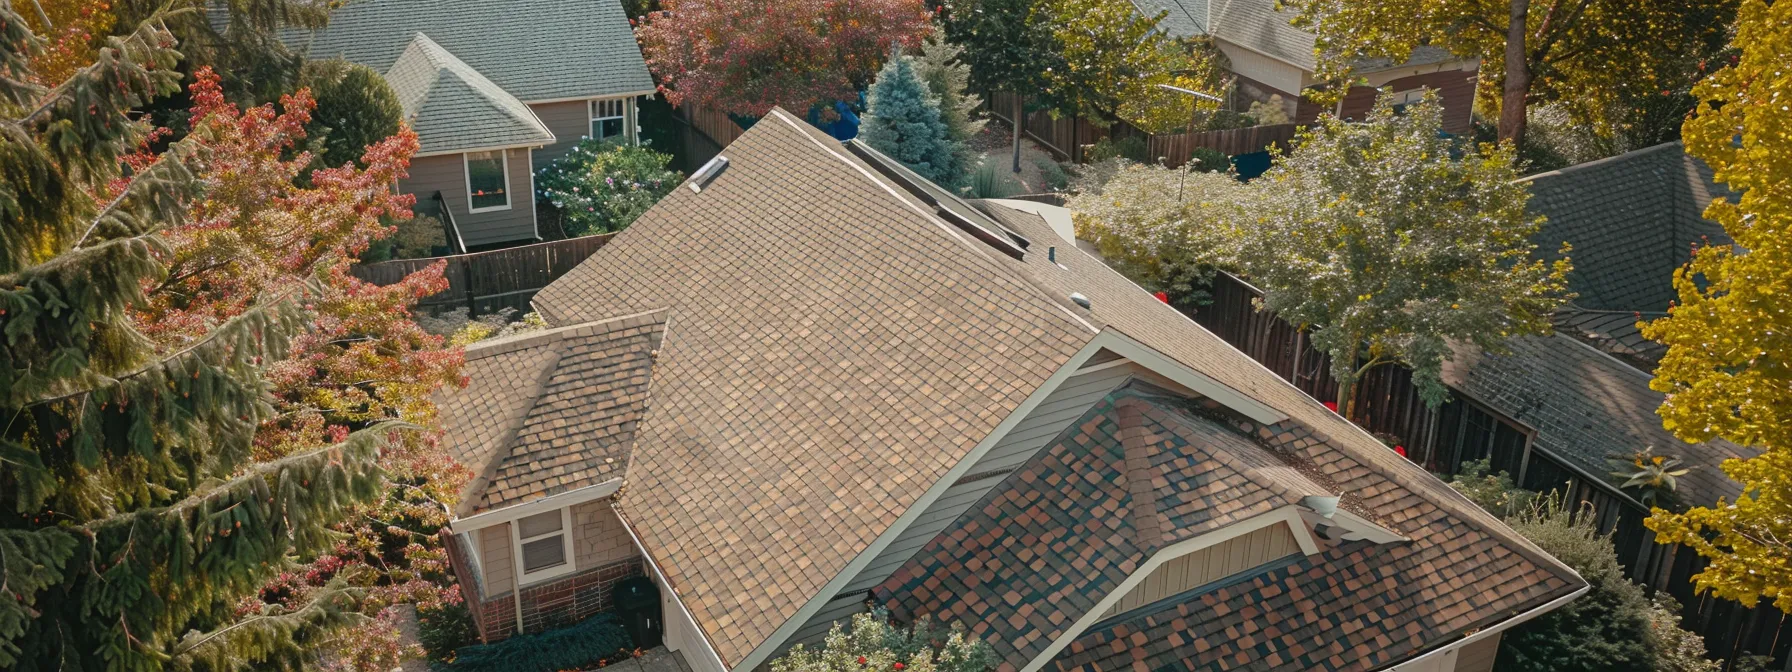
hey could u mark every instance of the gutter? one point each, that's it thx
(708, 645)
(1493, 630)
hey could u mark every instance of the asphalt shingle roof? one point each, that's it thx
(538, 50)
(1632, 219)
(454, 108)
(1258, 25)
(1046, 545)
(550, 411)
(1586, 406)
(832, 348)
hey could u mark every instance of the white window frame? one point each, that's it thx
(1410, 96)
(525, 577)
(592, 118)
(466, 172)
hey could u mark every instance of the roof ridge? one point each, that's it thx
(528, 339)
(501, 452)
(1627, 156)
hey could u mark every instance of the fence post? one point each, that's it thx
(466, 276)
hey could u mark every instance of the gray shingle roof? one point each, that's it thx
(1632, 220)
(1256, 24)
(537, 50)
(1585, 406)
(454, 108)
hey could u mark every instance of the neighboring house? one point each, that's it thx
(808, 381)
(1272, 57)
(495, 90)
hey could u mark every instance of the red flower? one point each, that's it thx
(1162, 297)
(1401, 450)
(861, 660)
(900, 666)
(1331, 406)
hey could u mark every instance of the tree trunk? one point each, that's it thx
(1518, 76)
(1018, 122)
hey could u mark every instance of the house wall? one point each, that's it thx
(1456, 89)
(1263, 72)
(1055, 413)
(571, 121)
(1187, 572)
(447, 173)
(602, 552)
(681, 633)
(1478, 656)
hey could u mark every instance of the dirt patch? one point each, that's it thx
(995, 144)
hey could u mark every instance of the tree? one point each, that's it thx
(1728, 368)
(905, 123)
(1113, 59)
(73, 31)
(600, 187)
(1008, 47)
(1156, 225)
(146, 498)
(746, 56)
(1386, 241)
(1590, 50)
(355, 109)
(938, 65)
(871, 643)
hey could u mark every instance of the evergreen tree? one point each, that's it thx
(905, 124)
(1008, 47)
(355, 109)
(133, 513)
(949, 80)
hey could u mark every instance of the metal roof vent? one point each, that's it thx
(1326, 507)
(709, 171)
(1078, 299)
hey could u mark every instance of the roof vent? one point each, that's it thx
(709, 171)
(1078, 299)
(1326, 507)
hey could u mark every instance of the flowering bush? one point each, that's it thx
(600, 187)
(871, 644)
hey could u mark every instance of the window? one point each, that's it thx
(606, 118)
(1403, 99)
(542, 545)
(488, 181)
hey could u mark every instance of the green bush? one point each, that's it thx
(355, 108)
(904, 123)
(1131, 148)
(1210, 160)
(1494, 492)
(443, 629)
(871, 643)
(990, 181)
(1226, 119)
(595, 639)
(600, 187)
(1053, 174)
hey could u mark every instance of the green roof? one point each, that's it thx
(538, 50)
(454, 108)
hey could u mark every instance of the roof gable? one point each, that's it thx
(455, 108)
(538, 50)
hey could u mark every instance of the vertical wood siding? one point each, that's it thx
(1188, 572)
(1478, 657)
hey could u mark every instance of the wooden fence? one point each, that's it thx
(712, 123)
(1464, 430)
(1068, 136)
(487, 282)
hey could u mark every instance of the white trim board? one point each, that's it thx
(509, 513)
(1207, 387)
(1495, 629)
(466, 172)
(1288, 515)
(708, 646)
(631, 94)
(475, 150)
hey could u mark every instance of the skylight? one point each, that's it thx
(946, 204)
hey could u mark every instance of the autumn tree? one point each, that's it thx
(1112, 59)
(1590, 50)
(1008, 47)
(1383, 240)
(746, 56)
(1728, 368)
(146, 497)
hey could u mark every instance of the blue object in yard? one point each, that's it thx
(843, 128)
(1250, 165)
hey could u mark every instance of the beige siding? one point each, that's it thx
(495, 558)
(569, 121)
(1188, 572)
(448, 174)
(598, 536)
(682, 634)
(1478, 656)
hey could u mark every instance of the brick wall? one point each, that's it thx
(576, 597)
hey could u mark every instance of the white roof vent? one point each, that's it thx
(1078, 299)
(701, 178)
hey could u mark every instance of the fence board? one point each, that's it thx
(1067, 136)
(487, 282)
(713, 124)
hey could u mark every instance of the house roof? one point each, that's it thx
(539, 50)
(550, 411)
(1632, 219)
(833, 348)
(1585, 406)
(1049, 543)
(454, 108)
(1258, 25)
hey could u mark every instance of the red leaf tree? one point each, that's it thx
(745, 56)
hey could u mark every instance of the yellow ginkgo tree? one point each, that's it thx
(1728, 368)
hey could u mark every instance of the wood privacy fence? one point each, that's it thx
(712, 123)
(1068, 137)
(487, 282)
(1464, 430)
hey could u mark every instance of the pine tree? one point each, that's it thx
(949, 79)
(905, 124)
(135, 515)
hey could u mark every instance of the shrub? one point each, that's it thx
(1269, 112)
(1227, 119)
(444, 629)
(873, 644)
(989, 181)
(904, 123)
(938, 65)
(600, 187)
(418, 237)
(592, 641)
(355, 108)
(1607, 629)
(1210, 160)
(1052, 173)
(1494, 492)
(1131, 148)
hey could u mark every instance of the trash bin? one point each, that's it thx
(637, 602)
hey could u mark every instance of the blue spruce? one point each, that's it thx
(905, 124)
